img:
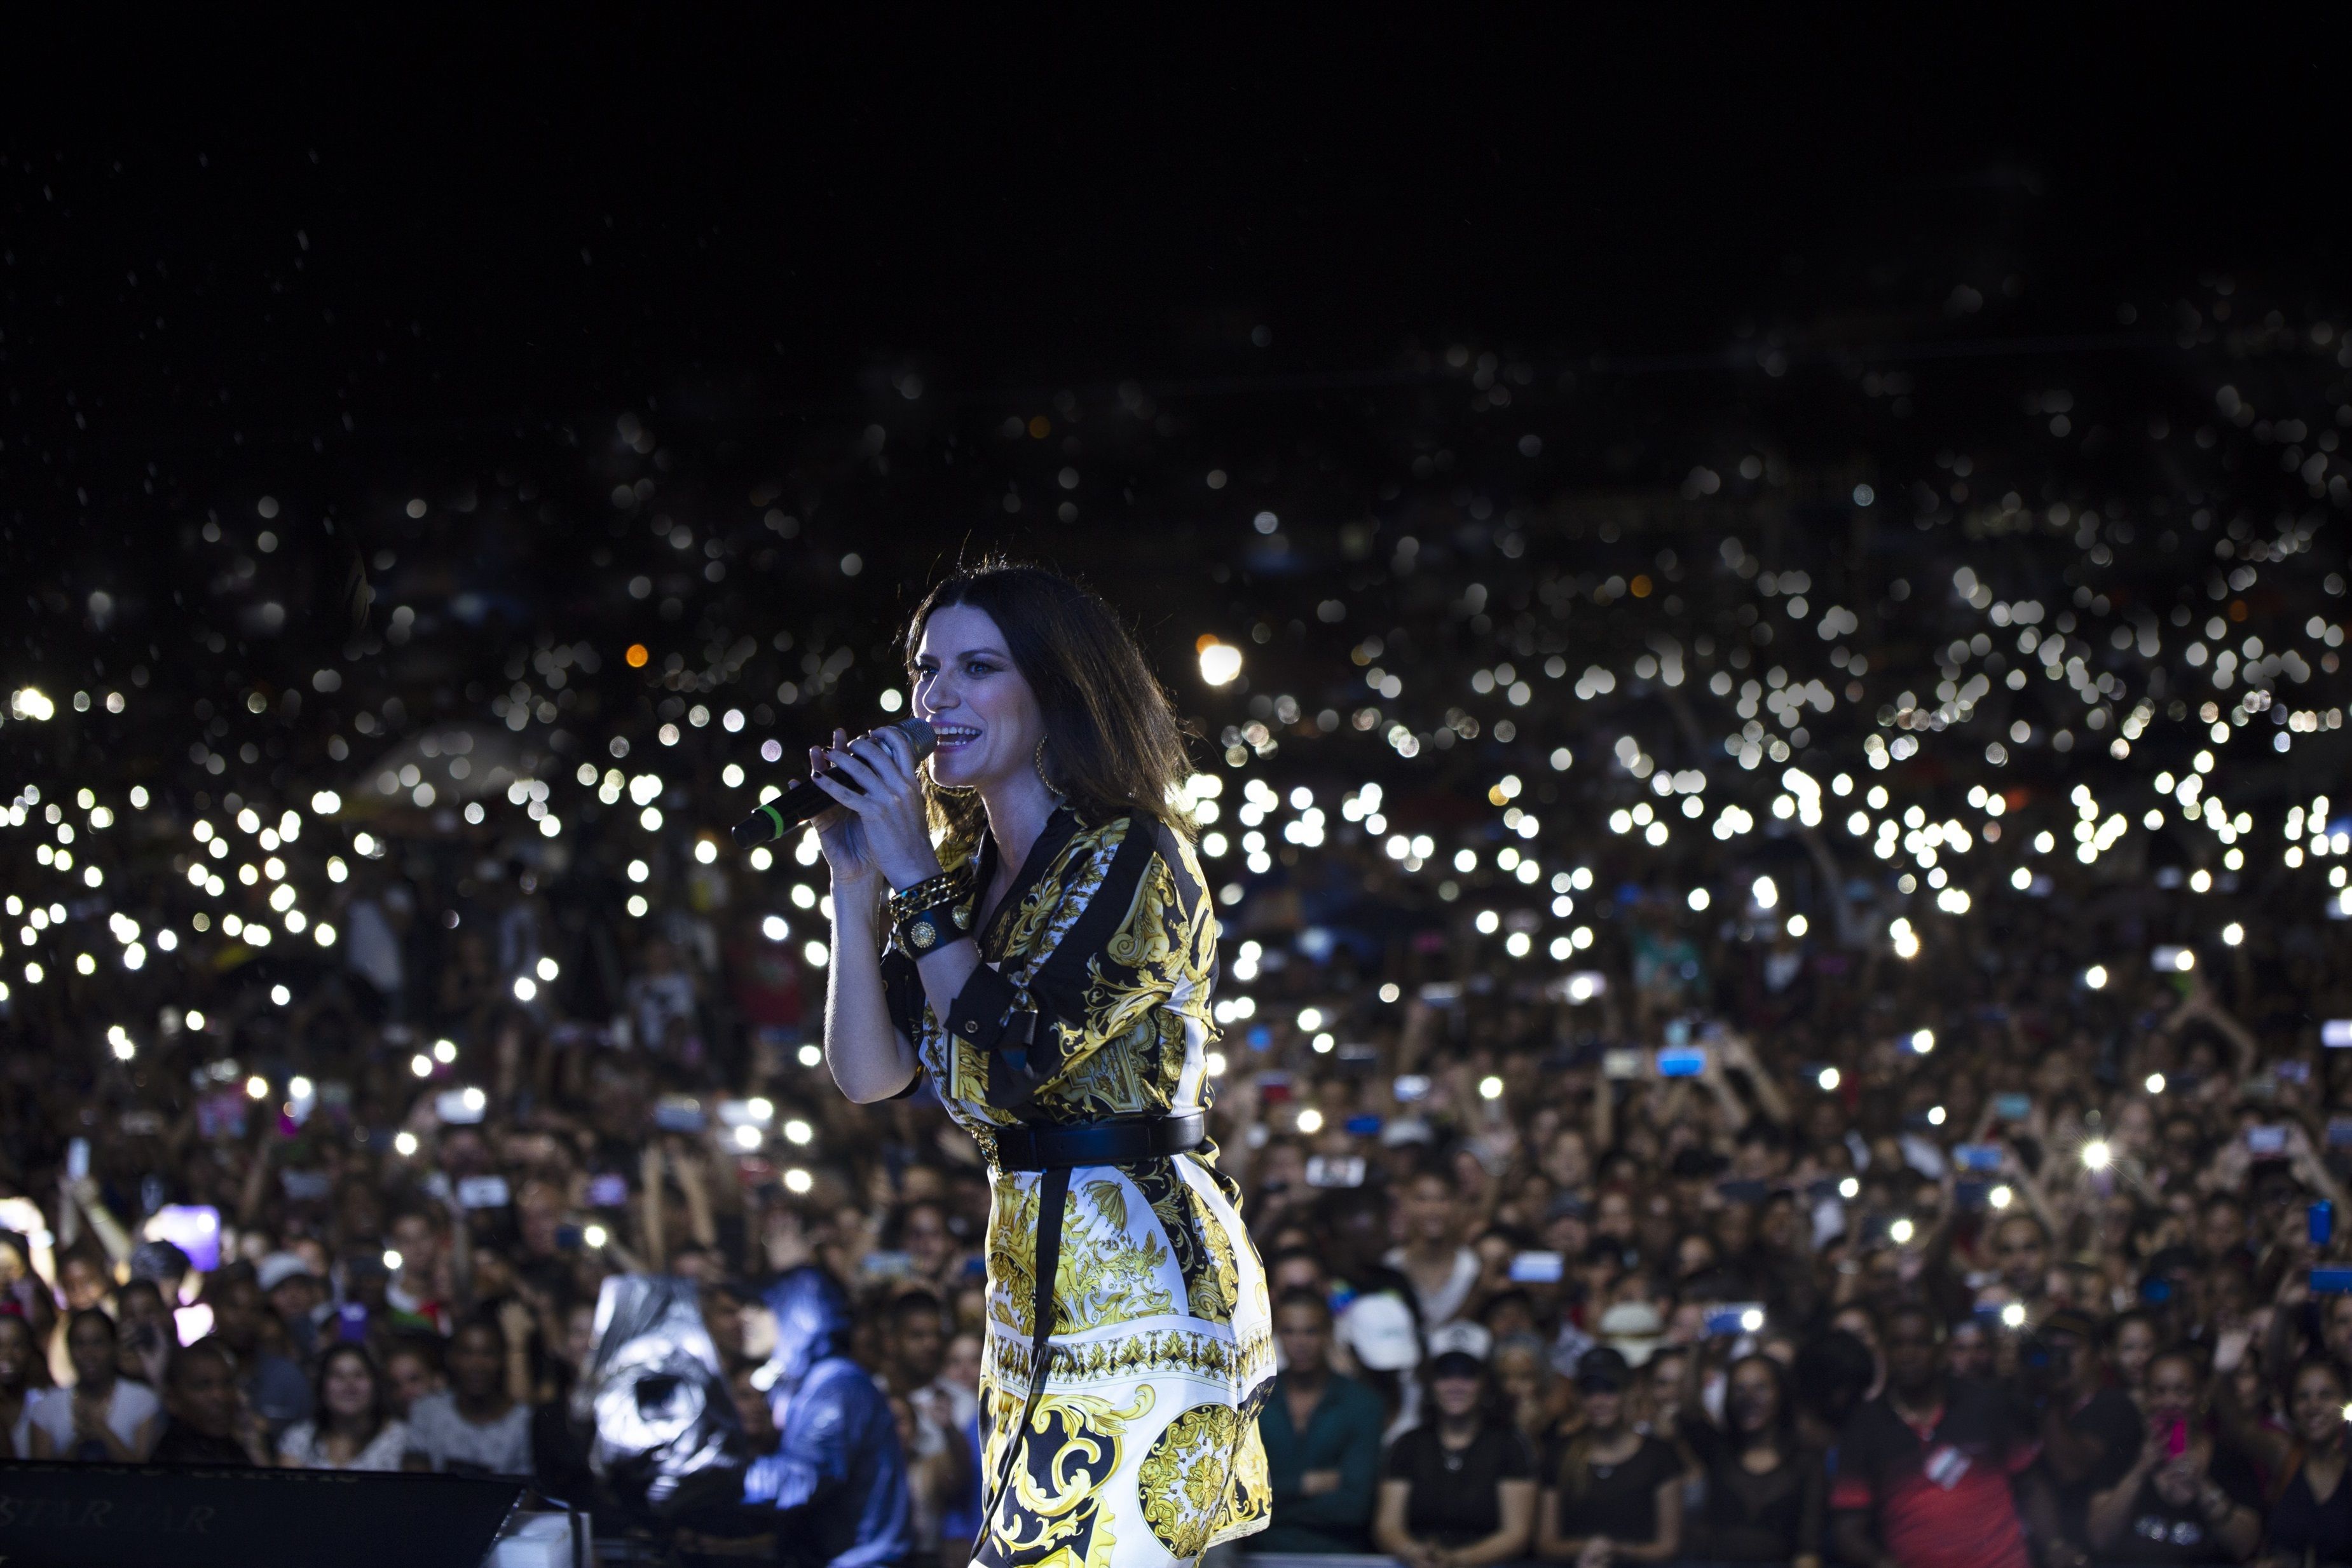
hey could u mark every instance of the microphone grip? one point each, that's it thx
(778, 817)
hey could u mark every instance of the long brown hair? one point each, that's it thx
(1113, 743)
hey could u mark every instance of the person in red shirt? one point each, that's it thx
(1925, 1471)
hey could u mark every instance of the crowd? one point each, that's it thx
(1868, 1179)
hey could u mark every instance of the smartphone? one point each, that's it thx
(608, 1191)
(2292, 1072)
(886, 1265)
(1442, 993)
(1682, 1062)
(1984, 1158)
(196, 1229)
(745, 1113)
(1678, 1033)
(1408, 1088)
(2336, 1033)
(2266, 1141)
(2331, 1281)
(1538, 1268)
(1734, 1318)
(460, 1107)
(1621, 1064)
(2176, 1437)
(568, 1237)
(482, 1192)
(77, 1159)
(1364, 1125)
(2172, 960)
(2013, 1107)
(192, 1323)
(1274, 1088)
(351, 1322)
(2319, 1222)
(679, 1114)
(1736, 1190)
(1327, 1170)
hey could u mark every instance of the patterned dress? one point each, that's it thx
(1143, 1445)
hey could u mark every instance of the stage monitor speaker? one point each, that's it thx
(146, 1516)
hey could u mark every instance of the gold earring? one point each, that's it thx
(1037, 761)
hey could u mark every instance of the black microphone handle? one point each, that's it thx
(776, 819)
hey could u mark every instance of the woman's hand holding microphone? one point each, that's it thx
(879, 836)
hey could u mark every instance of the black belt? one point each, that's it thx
(1123, 1142)
(1057, 1151)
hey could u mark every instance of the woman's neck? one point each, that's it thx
(1017, 811)
(99, 1387)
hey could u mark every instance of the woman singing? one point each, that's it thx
(1051, 950)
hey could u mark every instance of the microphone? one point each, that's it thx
(776, 817)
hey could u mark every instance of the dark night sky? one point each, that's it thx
(759, 216)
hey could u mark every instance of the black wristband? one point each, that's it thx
(934, 925)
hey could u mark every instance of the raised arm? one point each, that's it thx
(869, 841)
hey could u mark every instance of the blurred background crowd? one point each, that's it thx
(1784, 905)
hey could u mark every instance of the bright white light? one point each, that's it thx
(798, 1132)
(421, 1065)
(404, 1143)
(1309, 1019)
(1850, 1188)
(817, 955)
(2184, 960)
(2095, 977)
(390, 1256)
(1935, 1115)
(2013, 1315)
(1699, 898)
(2000, 1196)
(595, 1236)
(812, 1055)
(196, 1020)
(323, 934)
(2156, 1083)
(797, 1180)
(326, 803)
(1901, 1232)
(1923, 1040)
(1766, 892)
(525, 987)
(2233, 935)
(1214, 1063)
(1311, 1121)
(2096, 1156)
(1798, 925)
(1829, 1080)
(1219, 663)
(747, 1137)
(774, 929)
(1752, 1320)
(1324, 1042)
(280, 994)
(444, 1051)
(256, 1087)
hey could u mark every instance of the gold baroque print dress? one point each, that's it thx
(1143, 1446)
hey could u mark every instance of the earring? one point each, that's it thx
(1037, 761)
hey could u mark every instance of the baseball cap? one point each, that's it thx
(1603, 1368)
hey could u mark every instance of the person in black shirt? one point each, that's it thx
(2311, 1507)
(209, 1424)
(2187, 1497)
(1765, 1498)
(1458, 1490)
(1611, 1493)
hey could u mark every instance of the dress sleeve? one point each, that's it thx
(902, 995)
(1121, 930)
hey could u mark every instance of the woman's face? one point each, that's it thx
(962, 1367)
(1455, 1397)
(2171, 1391)
(1753, 1398)
(1521, 1375)
(1604, 1408)
(85, 1283)
(2317, 1407)
(349, 1390)
(2135, 1344)
(474, 1363)
(92, 1346)
(966, 685)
